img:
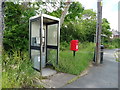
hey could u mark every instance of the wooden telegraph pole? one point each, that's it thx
(98, 32)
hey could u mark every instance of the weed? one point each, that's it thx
(17, 70)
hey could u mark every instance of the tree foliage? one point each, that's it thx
(74, 11)
(79, 23)
(106, 27)
(16, 26)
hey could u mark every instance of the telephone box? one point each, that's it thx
(44, 40)
(74, 45)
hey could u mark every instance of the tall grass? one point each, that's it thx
(17, 70)
(75, 65)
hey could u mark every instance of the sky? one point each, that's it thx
(109, 10)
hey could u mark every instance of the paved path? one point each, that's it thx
(102, 76)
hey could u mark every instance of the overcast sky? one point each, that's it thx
(110, 10)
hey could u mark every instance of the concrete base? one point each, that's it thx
(57, 81)
(46, 72)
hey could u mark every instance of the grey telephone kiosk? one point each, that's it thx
(44, 37)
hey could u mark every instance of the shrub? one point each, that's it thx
(115, 43)
(64, 46)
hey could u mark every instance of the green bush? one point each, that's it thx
(115, 43)
(16, 26)
(64, 46)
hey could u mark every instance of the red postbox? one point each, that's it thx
(74, 45)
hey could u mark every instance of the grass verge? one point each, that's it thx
(76, 65)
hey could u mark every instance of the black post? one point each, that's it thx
(73, 53)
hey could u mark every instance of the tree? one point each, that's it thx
(16, 23)
(89, 24)
(106, 27)
(64, 13)
(78, 24)
(16, 34)
(83, 28)
(106, 30)
(74, 12)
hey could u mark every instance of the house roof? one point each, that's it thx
(115, 32)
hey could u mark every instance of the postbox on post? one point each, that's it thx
(74, 46)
